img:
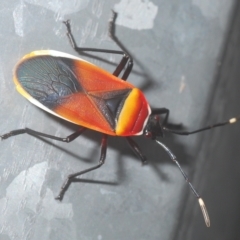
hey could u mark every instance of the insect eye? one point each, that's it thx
(156, 118)
(148, 134)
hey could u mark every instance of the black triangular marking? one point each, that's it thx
(101, 105)
(115, 104)
(110, 103)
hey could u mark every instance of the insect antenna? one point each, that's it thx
(230, 121)
(200, 201)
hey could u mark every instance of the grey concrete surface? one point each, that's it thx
(186, 55)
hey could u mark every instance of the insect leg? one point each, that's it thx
(161, 111)
(73, 176)
(136, 149)
(37, 134)
(165, 124)
(126, 56)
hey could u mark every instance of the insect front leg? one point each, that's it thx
(165, 123)
(160, 111)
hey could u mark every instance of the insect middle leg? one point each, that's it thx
(126, 58)
(73, 176)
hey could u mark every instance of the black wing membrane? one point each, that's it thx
(48, 79)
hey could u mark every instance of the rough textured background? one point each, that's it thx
(186, 55)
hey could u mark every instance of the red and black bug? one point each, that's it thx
(82, 93)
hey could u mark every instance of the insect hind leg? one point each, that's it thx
(73, 176)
